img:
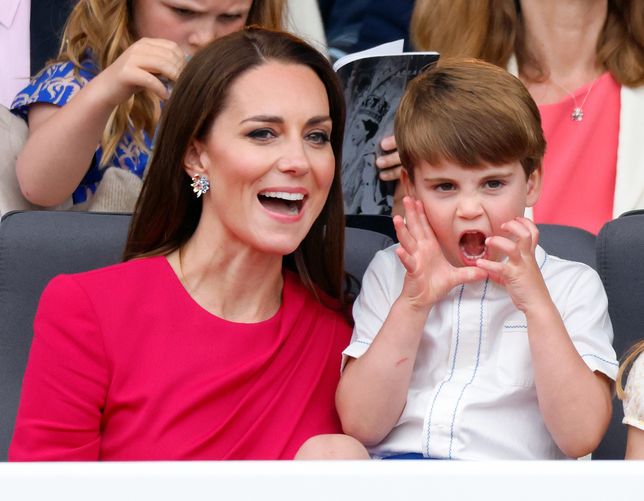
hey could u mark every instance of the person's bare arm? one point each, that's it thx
(62, 141)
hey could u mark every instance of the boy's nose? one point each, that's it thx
(469, 207)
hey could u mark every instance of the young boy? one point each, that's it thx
(470, 342)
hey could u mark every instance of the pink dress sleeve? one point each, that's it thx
(65, 384)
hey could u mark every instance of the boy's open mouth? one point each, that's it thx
(281, 202)
(472, 245)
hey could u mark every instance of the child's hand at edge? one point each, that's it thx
(519, 273)
(139, 67)
(389, 166)
(429, 276)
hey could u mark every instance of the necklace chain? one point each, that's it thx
(577, 114)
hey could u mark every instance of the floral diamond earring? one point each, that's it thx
(200, 184)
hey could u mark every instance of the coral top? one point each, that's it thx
(581, 158)
(125, 365)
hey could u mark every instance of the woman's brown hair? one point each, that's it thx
(104, 29)
(167, 212)
(492, 30)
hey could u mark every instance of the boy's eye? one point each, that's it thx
(494, 184)
(261, 134)
(444, 187)
(319, 137)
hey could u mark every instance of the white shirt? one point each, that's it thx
(472, 392)
(14, 48)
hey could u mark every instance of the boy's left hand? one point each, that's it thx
(519, 272)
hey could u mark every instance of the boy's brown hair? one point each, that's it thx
(470, 113)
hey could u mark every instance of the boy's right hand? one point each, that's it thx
(430, 276)
(139, 67)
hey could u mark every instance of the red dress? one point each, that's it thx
(125, 365)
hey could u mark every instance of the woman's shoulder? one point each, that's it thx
(117, 278)
(56, 84)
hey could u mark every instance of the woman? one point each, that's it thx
(583, 63)
(220, 337)
(96, 107)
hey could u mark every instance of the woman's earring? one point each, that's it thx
(200, 184)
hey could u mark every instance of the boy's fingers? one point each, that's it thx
(470, 274)
(406, 240)
(424, 222)
(506, 246)
(407, 260)
(411, 217)
(532, 228)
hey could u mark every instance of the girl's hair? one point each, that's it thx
(493, 30)
(471, 113)
(167, 212)
(630, 357)
(104, 30)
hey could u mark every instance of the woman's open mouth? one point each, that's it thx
(281, 202)
(472, 246)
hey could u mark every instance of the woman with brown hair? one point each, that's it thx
(583, 63)
(220, 337)
(97, 106)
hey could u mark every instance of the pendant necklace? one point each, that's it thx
(577, 114)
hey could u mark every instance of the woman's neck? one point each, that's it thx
(231, 282)
(562, 36)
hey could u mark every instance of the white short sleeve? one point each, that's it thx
(381, 286)
(585, 315)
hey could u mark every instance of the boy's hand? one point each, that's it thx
(429, 275)
(519, 273)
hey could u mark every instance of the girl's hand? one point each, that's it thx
(140, 67)
(519, 273)
(429, 275)
(389, 164)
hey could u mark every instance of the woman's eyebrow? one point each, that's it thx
(277, 119)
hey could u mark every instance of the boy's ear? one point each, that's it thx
(533, 187)
(196, 161)
(407, 183)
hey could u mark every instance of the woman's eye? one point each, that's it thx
(444, 187)
(318, 137)
(261, 134)
(494, 184)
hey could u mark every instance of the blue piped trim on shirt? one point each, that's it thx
(451, 371)
(616, 364)
(476, 366)
(515, 326)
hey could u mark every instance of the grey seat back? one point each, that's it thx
(620, 263)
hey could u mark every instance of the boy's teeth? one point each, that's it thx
(283, 195)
